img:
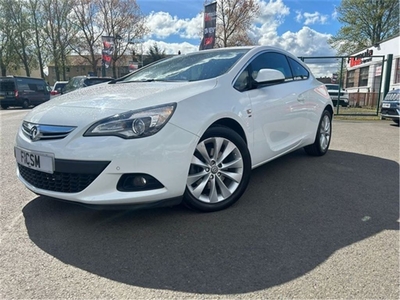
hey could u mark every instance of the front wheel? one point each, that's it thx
(3, 106)
(323, 136)
(25, 104)
(219, 171)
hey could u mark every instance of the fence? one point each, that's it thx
(360, 77)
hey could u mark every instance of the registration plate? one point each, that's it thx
(39, 161)
(386, 105)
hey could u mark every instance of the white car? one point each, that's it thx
(342, 98)
(188, 128)
(56, 89)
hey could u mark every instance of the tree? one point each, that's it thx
(7, 55)
(153, 54)
(366, 24)
(37, 22)
(234, 17)
(20, 32)
(124, 21)
(88, 42)
(58, 31)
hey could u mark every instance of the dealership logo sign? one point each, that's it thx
(360, 58)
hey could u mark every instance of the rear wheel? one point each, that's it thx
(323, 136)
(219, 171)
(3, 106)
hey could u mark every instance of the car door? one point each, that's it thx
(277, 108)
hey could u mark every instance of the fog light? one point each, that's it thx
(139, 181)
(136, 182)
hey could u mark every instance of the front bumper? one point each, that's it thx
(166, 156)
(390, 113)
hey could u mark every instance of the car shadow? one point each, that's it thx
(297, 211)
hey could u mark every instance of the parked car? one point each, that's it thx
(390, 108)
(333, 90)
(23, 91)
(188, 128)
(56, 89)
(78, 82)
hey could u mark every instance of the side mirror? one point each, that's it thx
(269, 76)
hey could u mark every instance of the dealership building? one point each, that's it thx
(367, 70)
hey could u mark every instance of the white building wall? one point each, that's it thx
(391, 46)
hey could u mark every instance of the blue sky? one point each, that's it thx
(300, 26)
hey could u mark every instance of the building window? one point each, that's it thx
(350, 79)
(363, 79)
(397, 75)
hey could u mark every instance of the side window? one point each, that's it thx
(33, 86)
(40, 88)
(242, 82)
(271, 60)
(299, 72)
(22, 85)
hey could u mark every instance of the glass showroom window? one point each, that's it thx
(363, 80)
(397, 75)
(350, 78)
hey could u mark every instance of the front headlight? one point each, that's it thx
(134, 124)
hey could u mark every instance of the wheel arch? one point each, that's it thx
(330, 109)
(232, 124)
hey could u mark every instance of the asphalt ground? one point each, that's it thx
(306, 228)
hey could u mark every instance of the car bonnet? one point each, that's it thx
(90, 104)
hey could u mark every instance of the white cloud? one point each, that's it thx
(305, 42)
(162, 25)
(299, 16)
(170, 48)
(311, 18)
(272, 11)
(334, 14)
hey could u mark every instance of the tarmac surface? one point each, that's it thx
(306, 228)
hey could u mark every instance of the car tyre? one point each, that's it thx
(219, 171)
(4, 106)
(323, 136)
(25, 104)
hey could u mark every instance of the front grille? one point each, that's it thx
(45, 132)
(389, 112)
(65, 181)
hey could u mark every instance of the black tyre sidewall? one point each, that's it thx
(315, 148)
(320, 150)
(25, 104)
(223, 132)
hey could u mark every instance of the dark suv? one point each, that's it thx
(390, 108)
(78, 82)
(23, 91)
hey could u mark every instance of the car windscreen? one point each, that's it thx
(93, 81)
(59, 86)
(191, 67)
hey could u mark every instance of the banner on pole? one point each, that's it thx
(108, 50)
(210, 23)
